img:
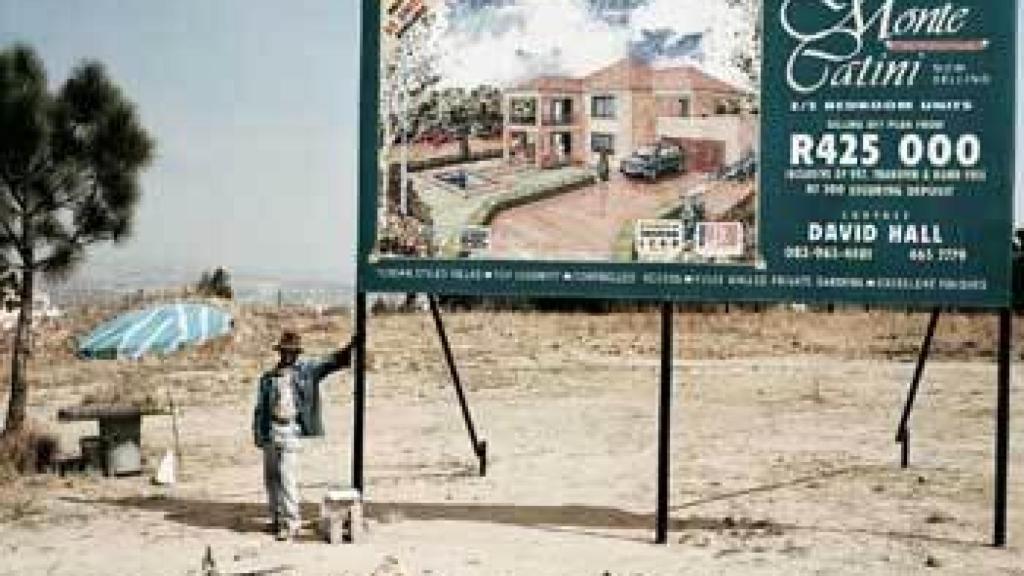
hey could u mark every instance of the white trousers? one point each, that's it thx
(281, 478)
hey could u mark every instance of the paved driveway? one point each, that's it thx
(582, 225)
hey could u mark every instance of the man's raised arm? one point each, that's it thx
(333, 362)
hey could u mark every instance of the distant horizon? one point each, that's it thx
(309, 290)
(171, 276)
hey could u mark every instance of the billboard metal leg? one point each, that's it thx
(905, 450)
(479, 447)
(359, 392)
(902, 433)
(1002, 427)
(664, 425)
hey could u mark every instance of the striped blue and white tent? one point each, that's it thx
(158, 330)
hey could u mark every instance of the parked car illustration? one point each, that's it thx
(651, 162)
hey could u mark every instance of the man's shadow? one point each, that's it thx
(241, 517)
(250, 517)
(599, 521)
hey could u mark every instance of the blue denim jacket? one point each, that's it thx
(308, 375)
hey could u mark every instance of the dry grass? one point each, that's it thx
(19, 508)
(715, 335)
(215, 372)
(527, 346)
(144, 395)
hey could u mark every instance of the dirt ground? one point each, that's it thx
(782, 443)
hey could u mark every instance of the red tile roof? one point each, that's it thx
(629, 74)
(549, 84)
(623, 75)
(692, 78)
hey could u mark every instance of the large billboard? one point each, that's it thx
(810, 150)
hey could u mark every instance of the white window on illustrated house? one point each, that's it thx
(600, 142)
(602, 107)
(727, 107)
(684, 107)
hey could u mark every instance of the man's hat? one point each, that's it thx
(290, 341)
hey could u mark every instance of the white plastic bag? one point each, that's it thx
(165, 472)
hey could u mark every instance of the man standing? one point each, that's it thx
(287, 409)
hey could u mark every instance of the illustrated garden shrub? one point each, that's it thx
(537, 187)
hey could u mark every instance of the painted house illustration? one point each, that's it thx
(556, 120)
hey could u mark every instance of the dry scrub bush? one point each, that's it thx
(18, 508)
(31, 450)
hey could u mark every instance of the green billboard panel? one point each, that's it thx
(809, 150)
(894, 130)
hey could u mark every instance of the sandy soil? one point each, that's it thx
(783, 453)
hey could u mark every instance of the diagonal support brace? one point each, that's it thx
(479, 446)
(902, 432)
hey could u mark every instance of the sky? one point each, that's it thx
(253, 104)
(535, 37)
(253, 107)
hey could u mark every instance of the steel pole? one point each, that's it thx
(664, 425)
(359, 392)
(1002, 427)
